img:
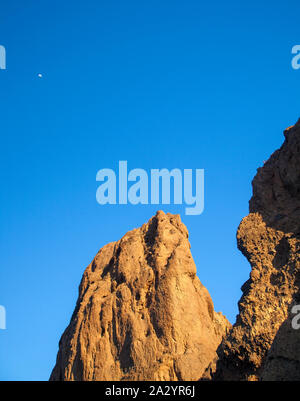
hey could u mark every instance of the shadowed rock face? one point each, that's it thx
(262, 344)
(142, 313)
(283, 359)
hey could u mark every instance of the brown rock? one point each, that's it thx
(262, 344)
(283, 359)
(142, 313)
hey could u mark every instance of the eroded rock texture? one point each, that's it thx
(262, 344)
(142, 313)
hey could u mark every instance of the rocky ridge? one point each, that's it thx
(262, 344)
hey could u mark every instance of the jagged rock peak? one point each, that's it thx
(142, 312)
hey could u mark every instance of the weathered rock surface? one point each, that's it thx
(142, 313)
(283, 359)
(262, 344)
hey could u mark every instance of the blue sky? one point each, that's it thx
(161, 84)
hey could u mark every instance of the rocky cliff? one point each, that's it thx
(262, 343)
(142, 313)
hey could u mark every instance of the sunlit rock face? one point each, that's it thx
(142, 313)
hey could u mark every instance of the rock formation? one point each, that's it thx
(262, 345)
(142, 313)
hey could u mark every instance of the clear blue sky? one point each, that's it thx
(184, 84)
